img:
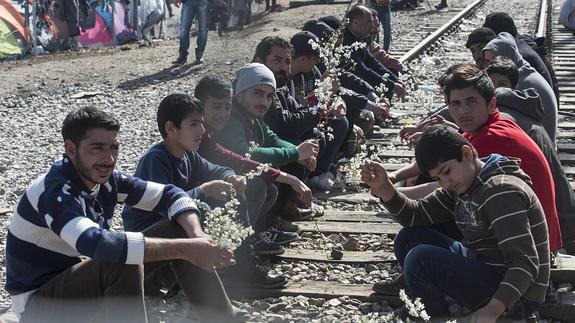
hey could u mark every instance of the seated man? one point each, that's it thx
(516, 106)
(472, 105)
(366, 66)
(381, 54)
(531, 49)
(504, 45)
(302, 85)
(293, 122)
(254, 91)
(216, 97)
(67, 213)
(175, 161)
(503, 257)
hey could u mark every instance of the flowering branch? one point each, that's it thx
(222, 224)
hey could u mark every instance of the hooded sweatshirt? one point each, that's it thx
(504, 45)
(502, 224)
(524, 108)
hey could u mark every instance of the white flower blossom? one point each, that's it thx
(223, 225)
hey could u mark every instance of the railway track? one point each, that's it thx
(356, 211)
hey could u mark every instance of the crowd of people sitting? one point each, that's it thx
(490, 198)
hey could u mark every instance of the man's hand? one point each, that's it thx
(373, 174)
(489, 313)
(238, 182)
(407, 131)
(307, 149)
(332, 74)
(337, 111)
(381, 109)
(302, 190)
(217, 189)
(302, 99)
(177, 3)
(203, 253)
(399, 90)
(311, 164)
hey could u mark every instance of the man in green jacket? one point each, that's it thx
(247, 133)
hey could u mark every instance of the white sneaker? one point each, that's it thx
(323, 181)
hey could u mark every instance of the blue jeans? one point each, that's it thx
(325, 161)
(384, 15)
(194, 9)
(435, 265)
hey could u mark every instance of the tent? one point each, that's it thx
(8, 41)
(13, 32)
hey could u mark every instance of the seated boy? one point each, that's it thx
(175, 161)
(503, 257)
(216, 97)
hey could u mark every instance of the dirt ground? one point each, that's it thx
(133, 67)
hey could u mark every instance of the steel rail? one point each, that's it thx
(433, 37)
(543, 18)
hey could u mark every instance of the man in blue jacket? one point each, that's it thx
(67, 213)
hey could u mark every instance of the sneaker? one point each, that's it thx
(286, 226)
(292, 212)
(282, 237)
(323, 181)
(390, 287)
(262, 245)
(181, 60)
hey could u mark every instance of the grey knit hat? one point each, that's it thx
(253, 74)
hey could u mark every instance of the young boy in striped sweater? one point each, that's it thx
(503, 257)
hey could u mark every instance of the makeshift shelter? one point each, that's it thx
(13, 33)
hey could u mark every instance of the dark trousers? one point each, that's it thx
(92, 291)
(435, 265)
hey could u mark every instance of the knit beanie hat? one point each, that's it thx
(301, 45)
(253, 74)
(480, 35)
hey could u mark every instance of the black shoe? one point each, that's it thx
(286, 226)
(181, 60)
(262, 245)
(390, 287)
(199, 54)
(282, 237)
(441, 6)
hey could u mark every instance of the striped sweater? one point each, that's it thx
(58, 219)
(502, 223)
